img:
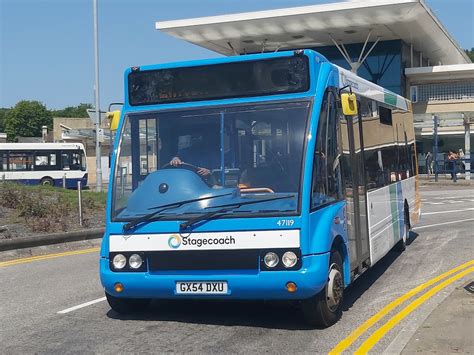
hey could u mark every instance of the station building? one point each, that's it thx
(400, 45)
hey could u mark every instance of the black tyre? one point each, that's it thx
(402, 243)
(47, 181)
(325, 309)
(127, 305)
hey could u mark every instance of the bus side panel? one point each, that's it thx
(385, 218)
(325, 225)
(386, 215)
(35, 177)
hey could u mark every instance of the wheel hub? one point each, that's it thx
(334, 288)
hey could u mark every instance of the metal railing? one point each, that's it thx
(452, 167)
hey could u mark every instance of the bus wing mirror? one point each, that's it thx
(114, 118)
(349, 104)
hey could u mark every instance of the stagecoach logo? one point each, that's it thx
(346, 81)
(174, 241)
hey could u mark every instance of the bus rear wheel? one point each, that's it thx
(325, 309)
(47, 181)
(127, 305)
(402, 243)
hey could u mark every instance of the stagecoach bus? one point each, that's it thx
(275, 176)
(43, 163)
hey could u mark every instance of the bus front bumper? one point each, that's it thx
(244, 285)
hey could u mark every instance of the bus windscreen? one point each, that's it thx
(219, 81)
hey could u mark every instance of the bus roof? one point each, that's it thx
(41, 146)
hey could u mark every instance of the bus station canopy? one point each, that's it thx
(320, 25)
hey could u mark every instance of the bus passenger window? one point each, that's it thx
(45, 160)
(65, 161)
(385, 115)
(75, 161)
(3, 161)
(41, 160)
(52, 159)
(20, 161)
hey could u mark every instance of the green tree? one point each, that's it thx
(3, 112)
(78, 111)
(470, 54)
(26, 120)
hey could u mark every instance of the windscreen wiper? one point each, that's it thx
(166, 207)
(227, 208)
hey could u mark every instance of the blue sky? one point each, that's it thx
(46, 46)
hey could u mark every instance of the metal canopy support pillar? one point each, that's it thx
(467, 147)
(411, 55)
(98, 155)
(435, 146)
(348, 60)
(362, 57)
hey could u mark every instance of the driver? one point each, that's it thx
(199, 153)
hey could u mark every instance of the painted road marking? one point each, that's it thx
(351, 338)
(449, 211)
(82, 305)
(397, 318)
(426, 202)
(442, 224)
(47, 256)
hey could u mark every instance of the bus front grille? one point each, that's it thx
(203, 260)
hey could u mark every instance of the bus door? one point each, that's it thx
(355, 191)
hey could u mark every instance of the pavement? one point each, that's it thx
(445, 179)
(449, 328)
(51, 301)
(50, 238)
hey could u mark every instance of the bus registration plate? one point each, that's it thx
(203, 288)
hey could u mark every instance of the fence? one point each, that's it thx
(451, 167)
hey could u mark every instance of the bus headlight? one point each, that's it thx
(135, 261)
(119, 261)
(289, 259)
(271, 259)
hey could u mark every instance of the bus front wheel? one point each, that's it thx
(47, 181)
(325, 309)
(127, 305)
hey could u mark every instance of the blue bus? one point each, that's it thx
(274, 176)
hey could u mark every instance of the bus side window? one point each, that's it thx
(65, 161)
(75, 161)
(45, 160)
(3, 161)
(20, 161)
(326, 176)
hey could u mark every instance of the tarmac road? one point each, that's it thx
(32, 293)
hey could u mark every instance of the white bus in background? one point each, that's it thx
(43, 163)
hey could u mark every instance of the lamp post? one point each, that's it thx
(98, 154)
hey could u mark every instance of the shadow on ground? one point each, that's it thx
(273, 315)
